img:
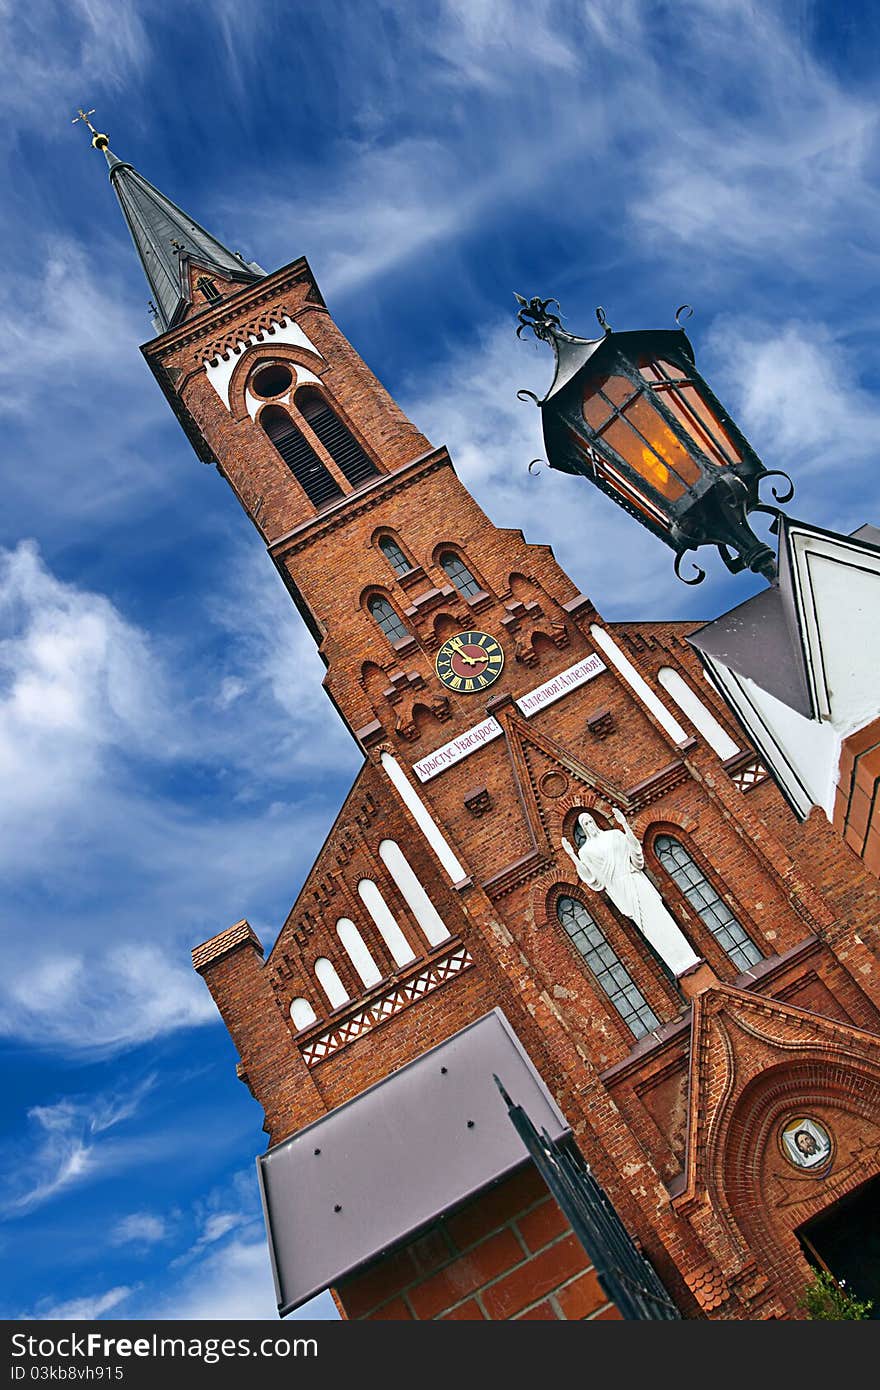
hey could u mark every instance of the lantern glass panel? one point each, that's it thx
(651, 448)
(682, 397)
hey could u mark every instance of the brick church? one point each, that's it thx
(708, 1056)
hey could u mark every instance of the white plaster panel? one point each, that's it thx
(803, 753)
(844, 630)
(220, 372)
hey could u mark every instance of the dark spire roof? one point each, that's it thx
(167, 240)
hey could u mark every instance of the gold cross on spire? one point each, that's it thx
(99, 141)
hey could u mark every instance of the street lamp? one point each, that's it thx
(631, 412)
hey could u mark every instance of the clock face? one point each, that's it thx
(469, 662)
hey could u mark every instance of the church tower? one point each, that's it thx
(684, 995)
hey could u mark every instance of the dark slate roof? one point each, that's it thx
(763, 638)
(156, 224)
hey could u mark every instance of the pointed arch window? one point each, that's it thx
(608, 970)
(312, 474)
(731, 936)
(394, 555)
(460, 575)
(387, 618)
(346, 452)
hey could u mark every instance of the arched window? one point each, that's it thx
(358, 952)
(387, 618)
(609, 972)
(348, 455)
(401, 951)
(302, 1013)
(394, 555)
(577, 834)
(712, 910)
(330, 982)
(460, 574)
(312, 474)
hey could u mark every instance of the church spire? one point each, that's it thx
(167, 239)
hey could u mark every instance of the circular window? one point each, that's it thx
(272, 380)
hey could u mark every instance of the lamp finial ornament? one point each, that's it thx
(99, 141)
(533, 314)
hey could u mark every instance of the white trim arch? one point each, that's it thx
(638, 684)
(423, 819)
(414, 895)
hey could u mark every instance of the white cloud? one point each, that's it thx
(62, 46)
(230, 1282)
(84, 1309)
(69, 1148)
(93, 717)
(139, 1228)
(76, 680)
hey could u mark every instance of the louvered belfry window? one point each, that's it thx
(717, 916)
(309, 470)
(348, 455)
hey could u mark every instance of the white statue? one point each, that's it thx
(612, 861)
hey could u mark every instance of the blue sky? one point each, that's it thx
(168, 762)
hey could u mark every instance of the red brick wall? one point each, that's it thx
(508, 1254)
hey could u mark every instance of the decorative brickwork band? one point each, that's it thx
(387, 1006)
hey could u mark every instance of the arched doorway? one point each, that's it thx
(845, 1240)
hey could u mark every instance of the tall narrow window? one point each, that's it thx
(312, 474)
(460, 574)
(737, 945)
(394, 555)
(345, 451)
(330, 982)
(358, 952)
(387, 618)
(609, 972)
